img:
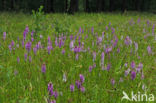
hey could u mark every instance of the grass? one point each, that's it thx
(24, 82)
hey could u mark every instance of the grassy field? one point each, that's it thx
(88, 58)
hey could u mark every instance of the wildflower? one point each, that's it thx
(81, 78)
(49, 48)
(78, 84)
(72, 45)
(82, 89)
(77, 56)
(133, 75)
(128, 41)
(118, 50)
(18, 59)
(55, 94)
(43, 68)
(12, 43)
(35, 50)
(140, 66)
(71, 87)
(10, 47)
(15, 72)
(25, 57)
(23, 43)
(41, 36)
(63, 51)
(136, 46)
(64, 77)
(106, 27)
(109, 49)
(56, 43)
(92, 30)
(28, 46)
(149, 50)
(112, 81)
(108, 66)
(30, 59)
(90, 68)
(132, 64)
(4, 35)
(102, 58)
(71, 37)
(127, 72)
(50, 89)
(142, 75)
(53, 101)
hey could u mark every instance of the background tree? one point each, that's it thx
(73, 6)
(111, 5)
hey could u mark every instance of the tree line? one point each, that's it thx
(72, 6)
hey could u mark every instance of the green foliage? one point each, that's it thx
(23, 82)
(38, 18)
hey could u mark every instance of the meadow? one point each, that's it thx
(81, 58)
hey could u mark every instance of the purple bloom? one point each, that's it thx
(32, 33)
(28, 46)
(77, 56)
(82, 89)
(32, 39)
(71, 87)
(113, 30)
(132, 64)
(133, 75)
(49, 48)
(102, 58)
(92, 30)
(99, 40)
(94, 65)
(10, 47)
(35, 50)
(138, 20)
(43, 68)
(50, 89)
(90, 68)
(18, 59)
(149, 50)
(136, 46)
(56, 43)
(53, 101)
(127, 72)
(78, 84)
(140, 66)
(109, 49)
(128, 41)
(112, 81)
(108, 66)
(72, 45)
(12, 43)
(118, 50)
(71, 37)
(81, 78)
(23, 43)
(153, 29)
(106, 27)
(41, 36)
(55, 94)
(4, 35)
(142, 75)
(25, 57)
(30, 59)
(63, 51)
